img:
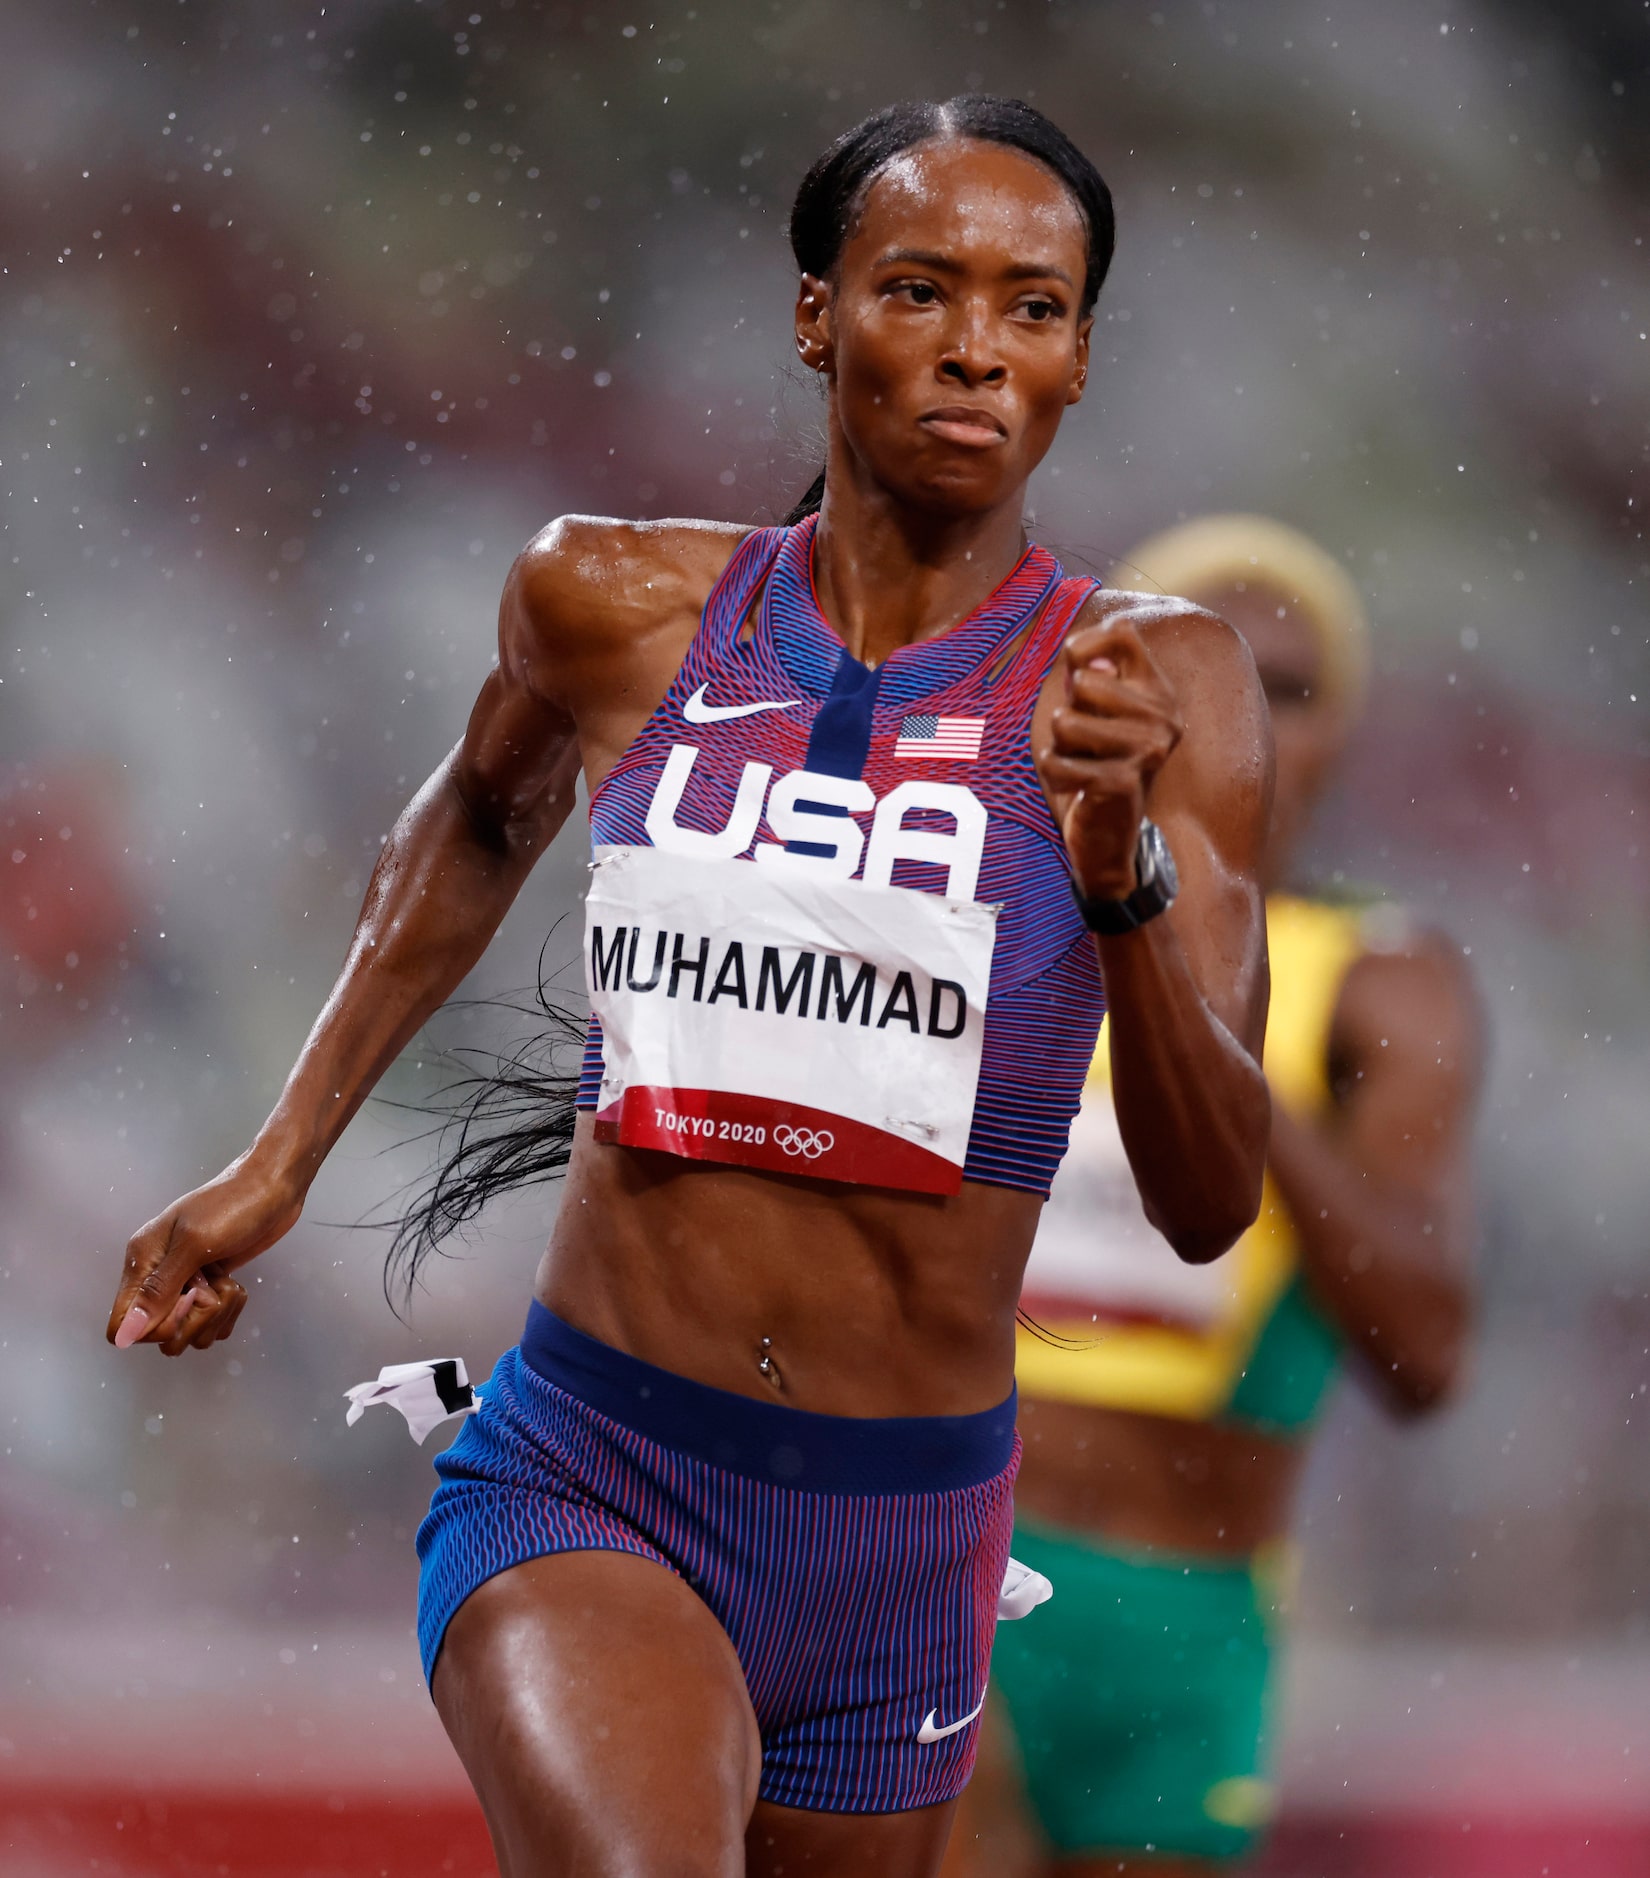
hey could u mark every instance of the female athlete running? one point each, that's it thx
(710, 1582)
(1167, 1412)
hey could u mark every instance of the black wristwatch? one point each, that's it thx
(1159, 883)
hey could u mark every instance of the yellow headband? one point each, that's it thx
(1217, 551)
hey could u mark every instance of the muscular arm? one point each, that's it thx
(1379, 1189)
(448, 874)
(1165, 717)
(457, 858)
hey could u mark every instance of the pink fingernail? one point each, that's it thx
(132, 1326)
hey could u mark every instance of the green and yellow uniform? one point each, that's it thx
(1139, 1694)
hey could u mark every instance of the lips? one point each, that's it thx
(965, 425)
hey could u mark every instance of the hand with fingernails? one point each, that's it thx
(177, 1288)
(1117, 727)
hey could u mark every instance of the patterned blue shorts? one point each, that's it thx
(854, 1564)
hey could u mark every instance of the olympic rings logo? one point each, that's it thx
(810, 1142)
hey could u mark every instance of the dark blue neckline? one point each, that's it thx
(840, 740)
(812, 652)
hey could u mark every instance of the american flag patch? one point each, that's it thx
(945, 739)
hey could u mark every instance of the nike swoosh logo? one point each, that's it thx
(696, 711)
(928, 1732)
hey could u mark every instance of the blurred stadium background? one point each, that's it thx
(309, 317)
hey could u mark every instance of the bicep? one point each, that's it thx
(1212, 801)
(519, 755)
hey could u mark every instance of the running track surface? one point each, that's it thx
(317, 1754)
(51, 1831)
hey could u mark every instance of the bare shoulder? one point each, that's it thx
(1194, 649)
(596, 574)
(1223, 762)
(597, 609)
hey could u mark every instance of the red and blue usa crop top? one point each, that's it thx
(941, 735)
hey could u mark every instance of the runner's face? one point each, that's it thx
(1308, 724)
(950, 334)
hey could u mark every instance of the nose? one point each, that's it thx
(970, 356)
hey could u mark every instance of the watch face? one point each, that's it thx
(1163, 867)
(1146, 853)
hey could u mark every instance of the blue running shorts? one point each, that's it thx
(855, 1564)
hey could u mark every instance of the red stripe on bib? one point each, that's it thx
(776, 1136)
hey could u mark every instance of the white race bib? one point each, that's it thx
(787, 1019)
(1097, 1256)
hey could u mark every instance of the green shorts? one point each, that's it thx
(1139, 1699)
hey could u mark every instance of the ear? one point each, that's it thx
(1080, 371)
(814, 344)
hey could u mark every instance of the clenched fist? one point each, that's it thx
(177, 1288)
(1115, 730)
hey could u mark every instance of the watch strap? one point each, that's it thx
(1159, 883)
